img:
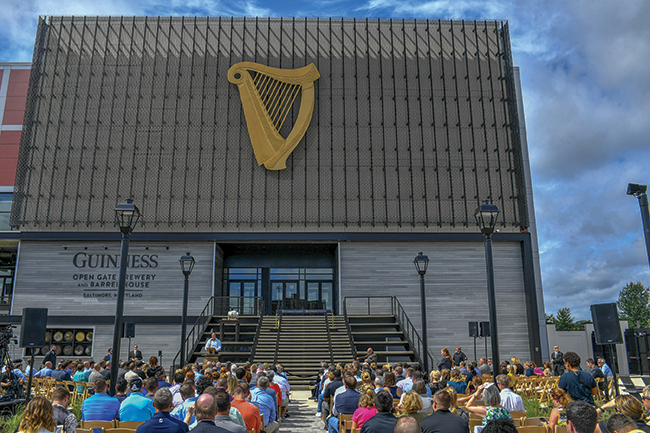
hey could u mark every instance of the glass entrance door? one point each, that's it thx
(242, 295)
(319, 295)
(285, 296)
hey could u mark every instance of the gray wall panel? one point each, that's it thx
(47, 278)
(456, 290)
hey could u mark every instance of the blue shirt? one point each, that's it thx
(163, 422)
(60, 375)
(100, 407)
(44, 372)
(19, 374)
(136, 407)
(571, 382)
(607, 371)
(181, 411)
(347, 402)
(265, 403)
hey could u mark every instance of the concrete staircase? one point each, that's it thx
(302, 342)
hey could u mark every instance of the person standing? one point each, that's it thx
(579, 384)
(459, 356)
(557, 358)
(162, 421)
(135, 355)
(50, 356)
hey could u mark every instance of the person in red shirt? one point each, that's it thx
(275, 387)
(249, 412)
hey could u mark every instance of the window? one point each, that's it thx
(5, 210)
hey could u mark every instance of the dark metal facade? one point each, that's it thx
(415, 122)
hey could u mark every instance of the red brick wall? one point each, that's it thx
(13, 114)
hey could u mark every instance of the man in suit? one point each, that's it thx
(135, 354)
(442, 420)
(50, 356)
(557, 358)
(162, 421)
(205, 411)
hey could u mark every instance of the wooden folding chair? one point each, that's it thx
(342, 419)
(348, 426)
(560, 429)
(474, 423)
(119, 430)
(86, 430)
(128, 424)
(532, 429)
(533, 421)
(97, 424)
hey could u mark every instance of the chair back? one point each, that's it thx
(342, 419)
(532, 429)
(129, 424)
(98, 424)
(119, 430)
(560, 429)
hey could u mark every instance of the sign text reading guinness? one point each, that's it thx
(83, 260)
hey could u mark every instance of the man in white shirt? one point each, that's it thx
(213, 345)
(403, 384)
(509, 399)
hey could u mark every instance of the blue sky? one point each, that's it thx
(584, 70)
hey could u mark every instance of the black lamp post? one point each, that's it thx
(486, 218)
(639, 191)
(127, 216)
(187, 264)
(421, 263)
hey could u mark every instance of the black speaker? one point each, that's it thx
(473, 329)
(33, 327)
(128, 330)
(485, 329)
(606, 327)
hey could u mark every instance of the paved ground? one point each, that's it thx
(302, 411)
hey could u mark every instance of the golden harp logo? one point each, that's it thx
(267, 95)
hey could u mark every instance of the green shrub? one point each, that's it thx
(10, 423)
(533, 409)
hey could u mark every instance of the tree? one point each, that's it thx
(564, 320)
(550, 318)
(633, 304)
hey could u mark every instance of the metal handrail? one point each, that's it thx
(396, 310)
(193, 336)
(257, 338)
(277, 339)
(348, 328)
(329, 339)
(217, 305)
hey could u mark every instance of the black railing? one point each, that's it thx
(257, 338)
(195, 334)
(348, 329)
(218, 306)
(361, 305)
(244, 305)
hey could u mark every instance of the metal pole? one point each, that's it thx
(645, 216)
(184, 319)
(492, 305)
(474, 347)
(423, 310)
(119, 312)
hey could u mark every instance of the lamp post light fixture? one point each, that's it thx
(486, 218)
(421, 263)
(640, 192)
(187, 264)
(127, 216)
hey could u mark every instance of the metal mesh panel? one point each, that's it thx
(413, 125)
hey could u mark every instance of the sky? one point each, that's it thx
(585, 69)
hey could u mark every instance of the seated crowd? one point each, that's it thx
(212, 397)
(375, 399)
